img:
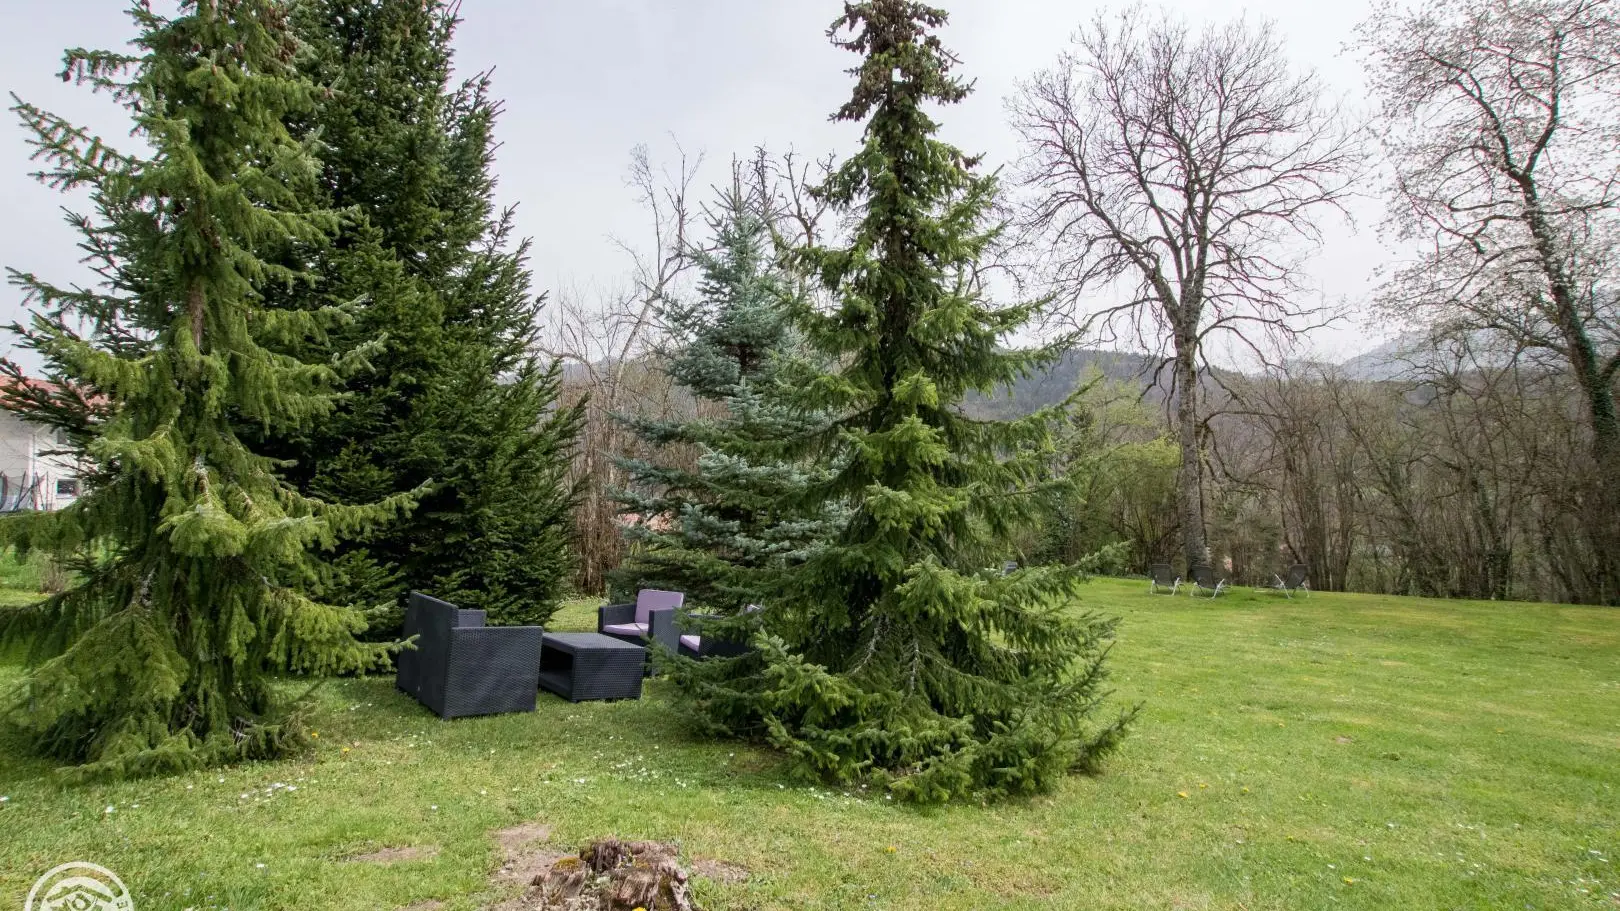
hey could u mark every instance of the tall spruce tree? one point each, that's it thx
(721, 509)
(456, 400)
(192, 552)
(891, 657)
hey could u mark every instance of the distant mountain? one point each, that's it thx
(1395, 359)
(1062, 377)
(1057, 381)
(1043, 387)
(1413, 356)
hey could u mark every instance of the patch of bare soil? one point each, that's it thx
(519, 837)
(522, 857)
(720, 871)
(428, 905)
(395, 855)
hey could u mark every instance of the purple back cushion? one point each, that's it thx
(651, 599)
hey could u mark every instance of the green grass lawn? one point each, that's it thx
(1343, 751)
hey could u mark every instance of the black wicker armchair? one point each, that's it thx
(461, 667)
(650, 619)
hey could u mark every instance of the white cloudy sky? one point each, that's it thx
(585, 82)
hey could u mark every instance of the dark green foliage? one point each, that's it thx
(1117, 506)
(454, 399)
(192, 554)
(892, 656)
(723, 508)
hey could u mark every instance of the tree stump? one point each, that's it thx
(611, 875)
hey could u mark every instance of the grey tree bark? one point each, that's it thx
(1190, 477)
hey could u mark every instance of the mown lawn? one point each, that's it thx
(1338, 752)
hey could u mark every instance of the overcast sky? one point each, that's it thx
(585, 82)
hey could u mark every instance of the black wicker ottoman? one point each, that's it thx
(581, 666)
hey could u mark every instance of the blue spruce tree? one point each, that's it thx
(720, 510)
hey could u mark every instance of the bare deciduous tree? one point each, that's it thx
(604, 346)
(1502, 123)
(1283, 437)
(786, 182)
(1180, 172)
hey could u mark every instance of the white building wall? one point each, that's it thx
(23, 459)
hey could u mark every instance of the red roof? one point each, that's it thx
(9, 386)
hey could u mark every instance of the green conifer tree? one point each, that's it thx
(725, 512)
(892, 657)
(192, 552)
(456, 399)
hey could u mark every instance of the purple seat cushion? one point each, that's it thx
(625, 629)
(692, 642)
(651, 599)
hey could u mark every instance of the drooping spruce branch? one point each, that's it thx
(193, 553)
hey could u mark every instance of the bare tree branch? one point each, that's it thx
(1500, 123)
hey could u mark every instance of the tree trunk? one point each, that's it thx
(1190, 478)
(1597, 392)
(1582, 354)
(195, 308)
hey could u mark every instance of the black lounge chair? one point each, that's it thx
(1297, 580)
(1203, 579)
(461, 667)
(1162, 575)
